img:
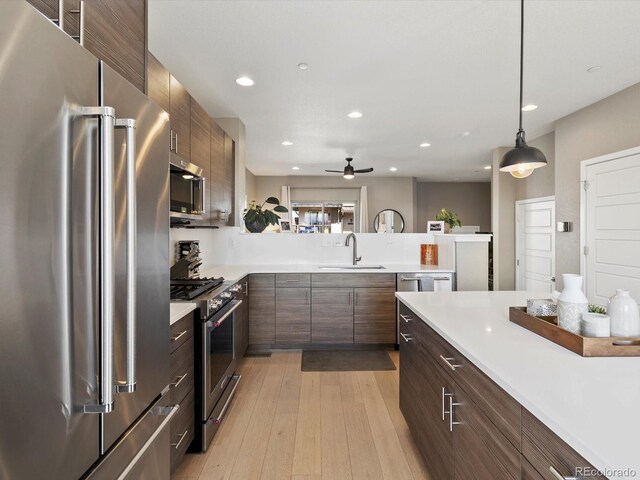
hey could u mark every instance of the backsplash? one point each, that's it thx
(228, 245)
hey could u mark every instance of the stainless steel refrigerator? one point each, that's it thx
(84, 278)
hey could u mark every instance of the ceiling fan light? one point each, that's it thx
(349, 176)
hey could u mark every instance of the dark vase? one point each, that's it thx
(255, 227)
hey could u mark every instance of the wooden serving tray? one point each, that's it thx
(548, 328)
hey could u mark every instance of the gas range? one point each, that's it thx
(209, 300)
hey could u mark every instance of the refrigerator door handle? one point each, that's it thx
(129, 125)
(106, 116)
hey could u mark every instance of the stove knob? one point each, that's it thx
(225, 295)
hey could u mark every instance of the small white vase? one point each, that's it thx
(572, 303)
(625, 318)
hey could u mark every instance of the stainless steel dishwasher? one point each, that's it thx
(422, 282)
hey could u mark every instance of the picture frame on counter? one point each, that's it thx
(285, 226)
(434, 226)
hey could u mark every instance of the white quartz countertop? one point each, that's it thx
(234, 273)
(177, 310)
(593, 404)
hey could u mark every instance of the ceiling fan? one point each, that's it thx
(348, 171)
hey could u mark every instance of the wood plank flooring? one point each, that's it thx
(294, 425)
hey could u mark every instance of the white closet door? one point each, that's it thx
(535, 231)
(612, 228)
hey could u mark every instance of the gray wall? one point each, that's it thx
(503, 214)
(470, 200)
(250, 185)
(541, 183)
(608, 126)
(383, 192)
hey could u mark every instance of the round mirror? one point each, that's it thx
(388, 221)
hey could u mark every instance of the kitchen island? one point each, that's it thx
(526, 386)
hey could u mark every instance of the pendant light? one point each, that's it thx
(522, 160)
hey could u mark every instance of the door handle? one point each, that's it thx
(106, 118)
(129, 125)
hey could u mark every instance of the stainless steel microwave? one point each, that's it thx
(187, 189)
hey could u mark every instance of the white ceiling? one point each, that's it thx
(419, 71)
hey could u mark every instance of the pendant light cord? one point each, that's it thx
(521, 59)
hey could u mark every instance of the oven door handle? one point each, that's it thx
(217, 323)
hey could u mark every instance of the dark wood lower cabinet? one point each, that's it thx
(293, 315)
(464, 424)
(242, 319)
(374, 315)
(332, 315)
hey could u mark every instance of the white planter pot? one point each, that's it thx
(572, 303)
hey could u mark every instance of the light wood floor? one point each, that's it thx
(289, 424)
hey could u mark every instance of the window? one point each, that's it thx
(324, 217)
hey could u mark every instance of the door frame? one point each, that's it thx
(520, 203)
(584, 164)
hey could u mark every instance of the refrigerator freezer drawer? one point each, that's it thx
(143, 451)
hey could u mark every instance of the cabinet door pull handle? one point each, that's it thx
(405, 318)
(182, 437)
(177, 337)
(407, 338)
(451, 413)
(557, 475)
(444, 395)
(448, 361)
(179, 380)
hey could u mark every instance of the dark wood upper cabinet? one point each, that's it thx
(180, 118)
(229, 185)
(158, 82)
(115, 32)
(217, 172)
(200, 150)
(374, 315)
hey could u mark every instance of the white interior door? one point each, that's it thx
(535, 245)
(611, 227)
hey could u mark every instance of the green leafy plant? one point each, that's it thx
(597, 309)
(256, 219)
(449, 217)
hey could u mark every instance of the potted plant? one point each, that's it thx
(256, 219)
(449, 218)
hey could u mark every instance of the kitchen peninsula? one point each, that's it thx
(482, 394)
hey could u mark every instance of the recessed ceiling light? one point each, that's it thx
(487, 167)
(354, 115)
(244, 81)
(466, 134)
(393, 169)
(303, 66)
(595, 68)
(287, 143)
(295, 168)
(425, 145)
(529, 108)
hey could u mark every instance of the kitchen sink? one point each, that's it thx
(351, 267)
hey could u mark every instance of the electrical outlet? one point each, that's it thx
(232, 242)
(326, 243)
(338, 243)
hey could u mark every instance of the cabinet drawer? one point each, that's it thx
(546, 451)
(182, 430)
(262, 280)
(293, 280)
(494, 402)
(373, 280)
(528, 472)
(181, 332)
(182, 371)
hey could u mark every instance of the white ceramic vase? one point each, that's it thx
(625, 318)
(572, 303)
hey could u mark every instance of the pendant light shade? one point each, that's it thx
(522, 160)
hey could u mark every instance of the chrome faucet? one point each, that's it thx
(356, 258)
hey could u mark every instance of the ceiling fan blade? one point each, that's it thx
(334, 171)
(364, 170)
